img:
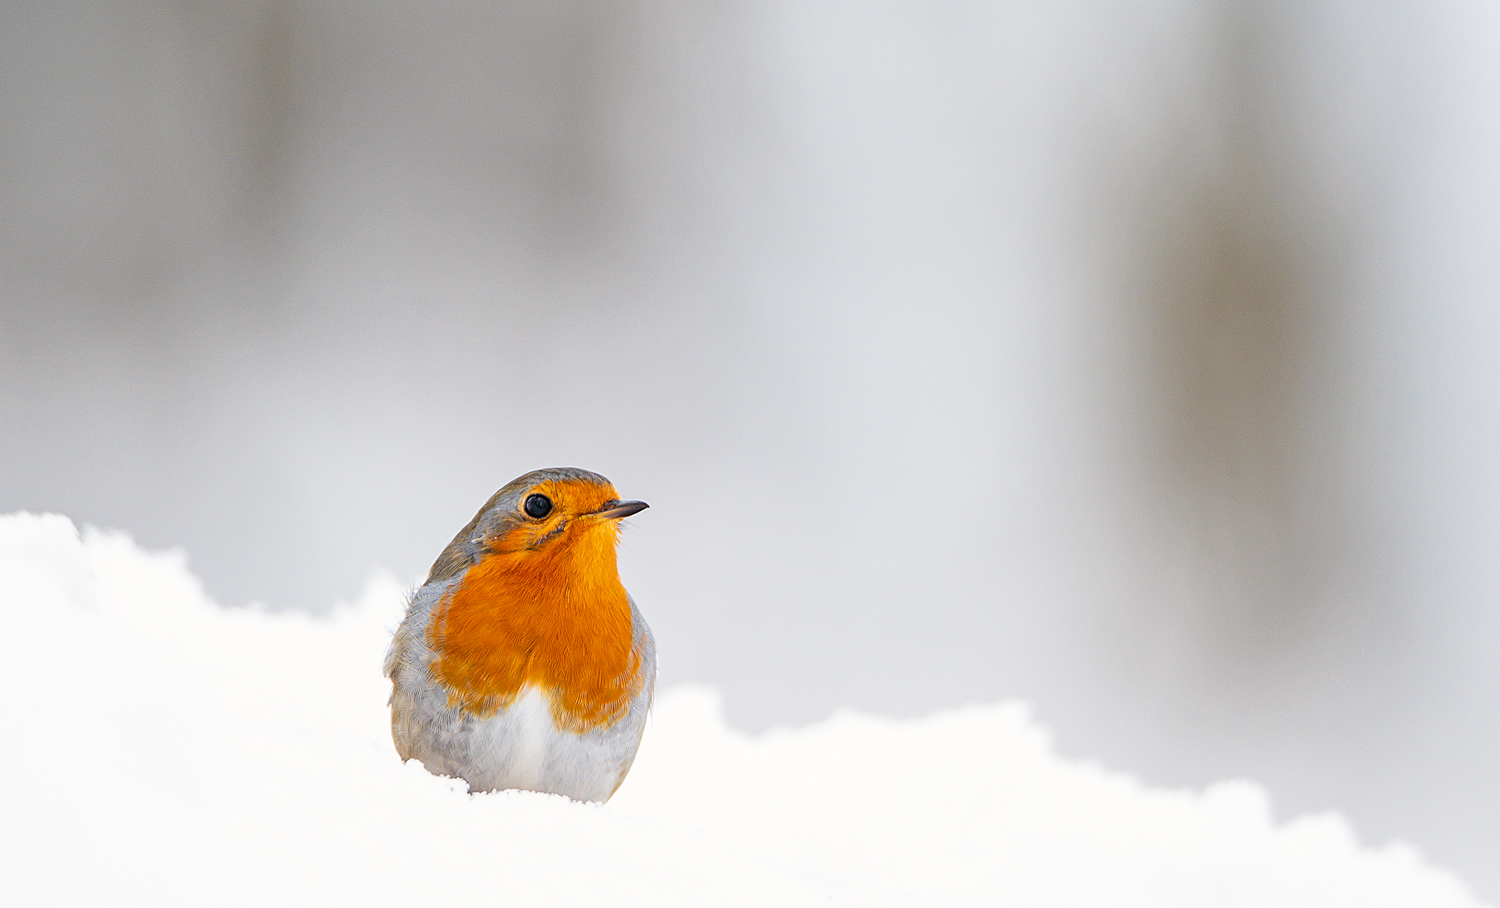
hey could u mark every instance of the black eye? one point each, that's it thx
(538, 506)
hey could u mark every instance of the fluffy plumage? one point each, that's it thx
(522, 662)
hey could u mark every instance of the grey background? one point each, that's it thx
(1135, 360)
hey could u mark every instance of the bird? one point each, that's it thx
(522, 662)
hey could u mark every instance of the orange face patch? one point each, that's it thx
(545, 607)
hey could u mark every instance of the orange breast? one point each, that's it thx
(557, 618)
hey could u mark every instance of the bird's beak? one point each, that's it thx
(617, 509)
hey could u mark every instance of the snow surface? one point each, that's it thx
(161, 749)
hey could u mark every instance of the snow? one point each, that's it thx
(162, 749)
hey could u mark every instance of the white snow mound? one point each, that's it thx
(160, 749)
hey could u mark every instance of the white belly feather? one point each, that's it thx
(519, 746)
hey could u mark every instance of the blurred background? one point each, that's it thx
(1138, 361)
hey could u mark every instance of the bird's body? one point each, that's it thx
(522, 661)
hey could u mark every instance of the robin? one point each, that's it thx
(522, 662)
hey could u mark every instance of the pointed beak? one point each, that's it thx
(615, 510)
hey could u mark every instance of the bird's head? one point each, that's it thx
(542, 516)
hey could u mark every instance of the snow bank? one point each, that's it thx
(161, 749)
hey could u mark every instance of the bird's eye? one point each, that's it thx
(538, 506)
